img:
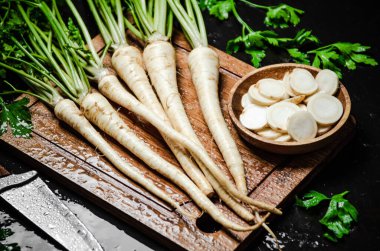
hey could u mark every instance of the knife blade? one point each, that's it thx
(29, 195)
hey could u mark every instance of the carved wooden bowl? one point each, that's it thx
(277, 71)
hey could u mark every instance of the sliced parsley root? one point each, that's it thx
(339, 215)
(16, 115)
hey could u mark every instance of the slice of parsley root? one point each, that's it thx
(339, 216)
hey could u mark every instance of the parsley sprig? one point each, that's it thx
(339, 216)
(342, 54)
(217, 8)
(279, 16)
(256, 43)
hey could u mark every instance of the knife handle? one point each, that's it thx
(3, 171)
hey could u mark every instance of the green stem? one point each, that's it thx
(143, 19)
(321, 48)
(255, 5)
(160, 16)
(237, 16)
(16, 91)
(103, 29)
(105, 49)
(26, 52)
(46, 52)
(201, 23)
(120, 20)
(133, 29)
(111, 22)
(150, 7)
(41, 69)
(189, 10)
(6, 14)
(38, 83)
(85, 32)
(169, 25)
(190, 29)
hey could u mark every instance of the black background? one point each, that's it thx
(356, 168)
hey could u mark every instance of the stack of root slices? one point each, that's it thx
(297, 108)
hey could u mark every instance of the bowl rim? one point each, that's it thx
(336, 128)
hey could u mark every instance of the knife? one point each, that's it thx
(29, 195)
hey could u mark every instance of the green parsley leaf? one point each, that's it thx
(327, 59)
(18, 117)
(341, 54)
(255, 43)
(282, 16)
(303, 36)
(256, 56)
(299, 56)
(76, 37)
(330, 237)
(339, 216)
(313, 199)
(352, 52)
(217, 8)
(74, 32)
(206, 4)
(222, 9)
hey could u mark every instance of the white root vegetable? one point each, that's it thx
(239, 209)
(328, 81)
(114, 90)
(127, 100)
(245, 100)
(128, 63)
(67, 111)
(204, 68)
(302, 82)
(159, 59)
(296, 100)
(278, 115)
(271, 88)
(283, 138)
(100, 112)
(286, 82)
(259, 99)
(302, 126)
(254, 117)
(268, 133)
(326, 109)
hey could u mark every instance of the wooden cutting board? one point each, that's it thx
(63, 155)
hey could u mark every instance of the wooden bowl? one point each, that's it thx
(277, 71)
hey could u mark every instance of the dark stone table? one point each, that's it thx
(356, 168)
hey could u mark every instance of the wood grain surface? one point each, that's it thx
(64, 156)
